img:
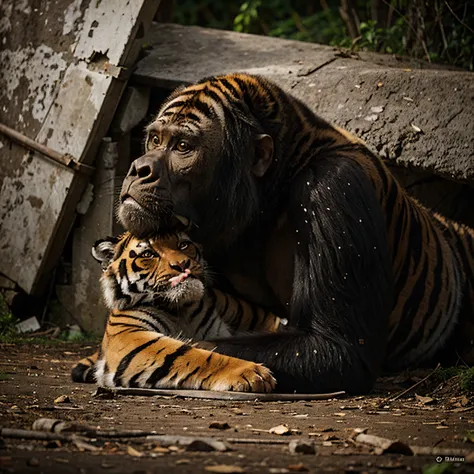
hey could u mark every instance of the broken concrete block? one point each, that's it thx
(132, 109)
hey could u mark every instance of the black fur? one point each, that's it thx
(342, 289)
(83, 373)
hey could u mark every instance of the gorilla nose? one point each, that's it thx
(145, 170)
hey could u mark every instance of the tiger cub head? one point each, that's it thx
(166, 270)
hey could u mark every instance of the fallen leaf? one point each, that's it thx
(280, 430)
(225, 469)
(62, 399)
(300, 467)
(424, 400)
(160, 449)
(133, 452)
(83, 446)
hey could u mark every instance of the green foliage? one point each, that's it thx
(464, 374)
(7, 320)
(438, 468)
(4, 376)
(467, 380)
(435, 31)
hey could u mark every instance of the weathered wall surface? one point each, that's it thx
(59, 68)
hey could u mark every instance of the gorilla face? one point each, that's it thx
(203, 161)
(174, 176)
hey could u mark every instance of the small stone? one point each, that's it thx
(33, 462)
(377, 110)
(206, 446)
(302, 447)
(219, 426)
(280, 430)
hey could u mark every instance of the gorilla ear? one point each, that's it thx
(103, 251)
(263, 154)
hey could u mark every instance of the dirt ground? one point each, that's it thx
(435, 416)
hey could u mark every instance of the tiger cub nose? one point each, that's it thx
(181, 266)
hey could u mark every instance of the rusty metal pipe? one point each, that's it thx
(63, 159)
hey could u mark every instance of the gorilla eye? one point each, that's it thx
(183, 146)
(183, 245)
(147, 254)
(154, 139)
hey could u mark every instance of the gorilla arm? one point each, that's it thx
(342, 288)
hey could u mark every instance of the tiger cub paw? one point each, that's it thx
(248, 378)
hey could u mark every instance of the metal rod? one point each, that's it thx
(63, 159)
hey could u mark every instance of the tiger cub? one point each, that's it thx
(158, 294)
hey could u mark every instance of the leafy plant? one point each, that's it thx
(7, 320)
(436, 31)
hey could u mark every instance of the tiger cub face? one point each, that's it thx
(166, 270)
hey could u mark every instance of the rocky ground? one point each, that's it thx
(433, 424)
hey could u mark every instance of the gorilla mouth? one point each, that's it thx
(143, 219)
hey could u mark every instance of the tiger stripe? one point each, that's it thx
(432, 258)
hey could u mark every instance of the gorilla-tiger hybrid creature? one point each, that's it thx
(303, 219)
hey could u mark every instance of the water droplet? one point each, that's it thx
(297, 354)
(329, 188)
(304, 209)
(315, 351)
(328, 208)
(334, 299)
(297, 230)
(375, 247)
(348, 184)
(319, 254)
(299, 243)
(306, 221)
(276, 353)
(307, 182)
(360, 220)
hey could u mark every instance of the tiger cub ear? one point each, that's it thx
(104, 250)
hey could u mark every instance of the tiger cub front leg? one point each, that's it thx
(150, 360)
